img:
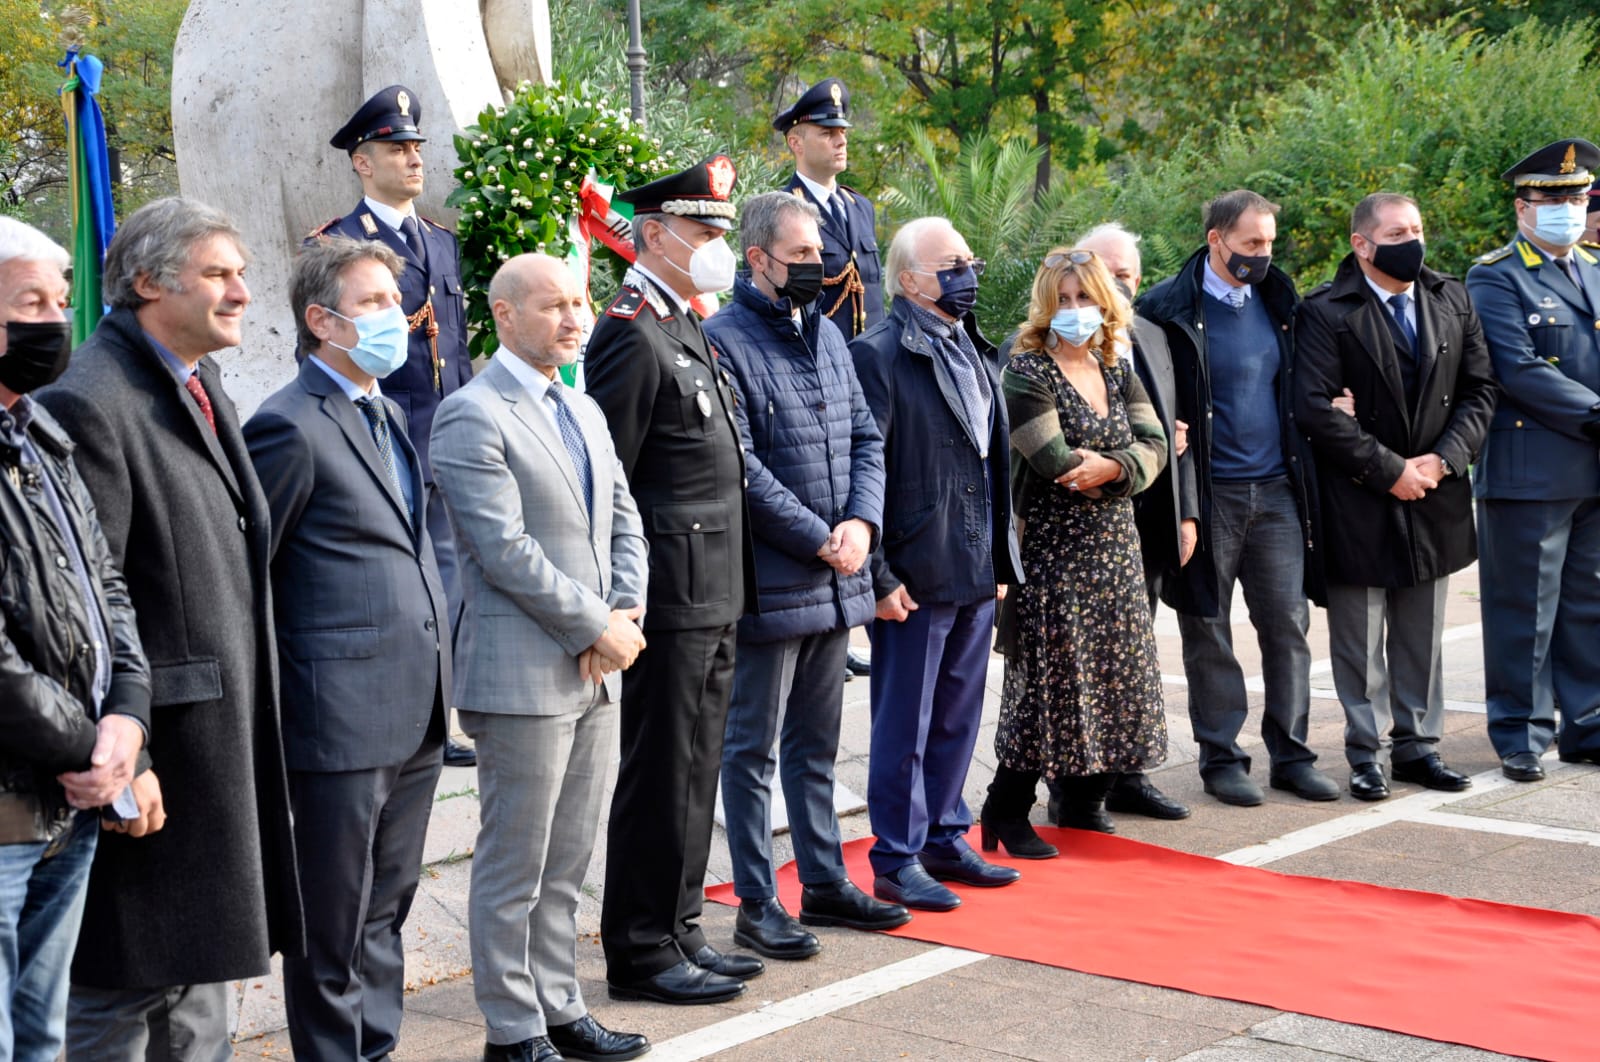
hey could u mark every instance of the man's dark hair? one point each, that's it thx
(1365, 215)
(1223, 212)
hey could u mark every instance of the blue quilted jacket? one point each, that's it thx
(813, 458)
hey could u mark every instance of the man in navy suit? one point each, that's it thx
(363, 646)
(385, 150)
(933, 384)
(1538, 482)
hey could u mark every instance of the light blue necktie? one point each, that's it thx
(572, 437)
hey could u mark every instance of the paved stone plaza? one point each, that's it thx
(872, 997)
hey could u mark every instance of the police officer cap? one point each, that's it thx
(700, 193)
(825, 103)
(391, 114)
(1566, 165)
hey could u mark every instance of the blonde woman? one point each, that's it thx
(1082, 692)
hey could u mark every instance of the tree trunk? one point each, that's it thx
(1041, 131)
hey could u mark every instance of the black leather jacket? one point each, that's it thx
(47, 653)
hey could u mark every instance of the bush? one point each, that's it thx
(521, 169)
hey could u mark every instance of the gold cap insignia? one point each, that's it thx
(721, 174)
(1569, 161)
(838, 97)
(402, 100)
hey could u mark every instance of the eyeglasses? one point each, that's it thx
(977, 265)
(1582, 198)
(1055, 261)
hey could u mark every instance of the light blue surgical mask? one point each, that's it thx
(1560, 224)
(382, 340)
(1077, 326)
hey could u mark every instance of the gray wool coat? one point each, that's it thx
(212, 895)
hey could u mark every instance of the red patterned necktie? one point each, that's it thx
(201, 399)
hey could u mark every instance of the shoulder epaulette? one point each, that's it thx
(1584, 251)
(322, 229)
(1495, 255)
(438, 225)
(626, 305)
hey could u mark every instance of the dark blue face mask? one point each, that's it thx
(958, 290)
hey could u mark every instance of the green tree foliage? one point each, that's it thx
(134, 39)
(1436, 113)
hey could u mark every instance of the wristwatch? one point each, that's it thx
(1446, 466)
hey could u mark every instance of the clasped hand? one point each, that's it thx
(618, 646)
(1095, 470)
(847, 546)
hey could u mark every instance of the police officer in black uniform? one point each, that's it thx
(385, 152)
(670, 409)
(814, 130)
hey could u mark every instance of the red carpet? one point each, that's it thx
(1518, 980)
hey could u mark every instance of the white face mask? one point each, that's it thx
(711, 265)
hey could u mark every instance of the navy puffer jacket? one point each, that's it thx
(813, 458)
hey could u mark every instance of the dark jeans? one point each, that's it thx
(1256, 541)
(796, 686)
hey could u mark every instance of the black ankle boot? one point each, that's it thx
(1083, 803)
(1004, 818)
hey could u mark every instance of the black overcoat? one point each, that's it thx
(1344, 339)
(209, 897)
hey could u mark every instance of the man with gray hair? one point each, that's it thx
(947, 544)
(75, 721)
(364, 672)
(814, 483)
(172, 918)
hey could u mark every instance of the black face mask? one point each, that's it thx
(804, 283)
(958, 291)
(1403, 261)
(1247, 268)
(36, 354)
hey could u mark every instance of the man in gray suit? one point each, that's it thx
(553, 570)
(359, 608)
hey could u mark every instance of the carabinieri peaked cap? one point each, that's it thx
(826, 103)
(701, 193)
(391, 114)
(1564, 165)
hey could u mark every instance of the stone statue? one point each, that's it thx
(257, 90)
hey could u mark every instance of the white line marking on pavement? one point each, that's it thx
(786, 1013)
(1384, 813)
(1531, 830)
(1256, 684)
(1474, 707)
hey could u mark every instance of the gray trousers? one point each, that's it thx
(1388, 668)
(799, 681)
(540, 781)
(186, 1023)
(1256, 541)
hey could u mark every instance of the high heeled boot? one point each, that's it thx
(1004, 818)
(1083, 802)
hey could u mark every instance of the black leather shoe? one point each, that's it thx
(915, 888)
(969, 868)
(1144, 799)
(840, 903)
(1232, 785)
(684, 984)
(857, 663)
(765, 928)
(739, 967)
(588, 1039)
(1578, 757)
(1304, 781)
(1367, 782)
(1092, 818)
(1430, 772)
(538, 1049)
(1522, 767)
(459, 755)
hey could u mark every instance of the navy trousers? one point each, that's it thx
(927, 698)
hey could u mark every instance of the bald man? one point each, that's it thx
(553, 573)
